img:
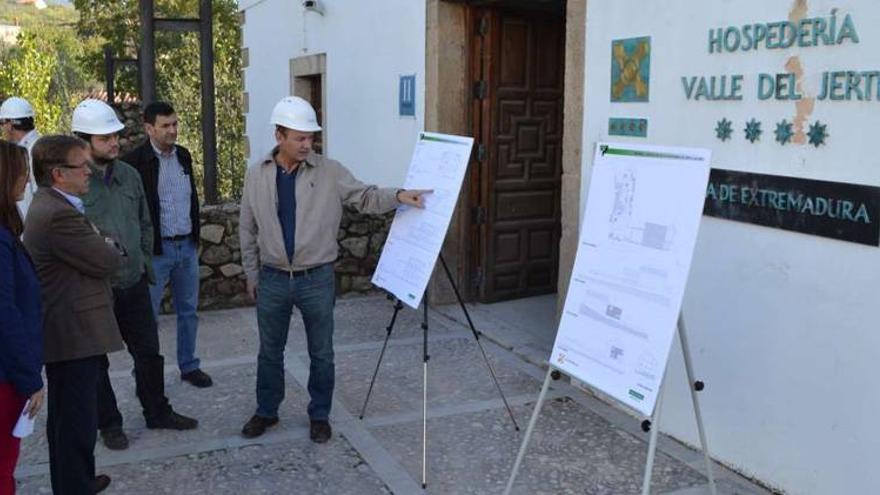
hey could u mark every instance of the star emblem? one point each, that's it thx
(753, 130)
(817, 134)
(723, 130)
(784, 132)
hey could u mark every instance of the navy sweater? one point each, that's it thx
(21, 321)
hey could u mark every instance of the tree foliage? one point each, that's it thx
(44, 67)
(28, 73)
(177, 73)
(11, 12)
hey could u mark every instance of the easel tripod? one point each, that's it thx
(652, 425)
(425, 357)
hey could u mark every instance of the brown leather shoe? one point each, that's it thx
(102, 481)
(257, 425)
(320, 431)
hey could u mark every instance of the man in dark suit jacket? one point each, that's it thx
(74, 263)
(167, 174)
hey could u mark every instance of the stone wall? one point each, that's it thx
(361, 238)
(222, 279)
(133, 134)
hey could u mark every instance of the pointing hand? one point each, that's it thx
(413, 197)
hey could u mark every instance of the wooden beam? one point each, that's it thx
(177, 25)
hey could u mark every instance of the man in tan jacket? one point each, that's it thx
(290, 214)
(74, 263)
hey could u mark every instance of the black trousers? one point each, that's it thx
(72, 424)
(137, 324)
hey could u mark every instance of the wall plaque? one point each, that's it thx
(627, 127)
(848, 212)
(407, 96)
(630, 69)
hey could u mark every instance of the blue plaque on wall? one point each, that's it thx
(627, 127)
(407, 96)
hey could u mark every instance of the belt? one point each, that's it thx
(176, 237)
(295, 273)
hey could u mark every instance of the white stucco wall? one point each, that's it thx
(782, 324)
(368, 45)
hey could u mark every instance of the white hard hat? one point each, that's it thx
(16, 108)
(295, 113)
(96, 118)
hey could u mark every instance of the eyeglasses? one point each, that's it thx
(84, 165)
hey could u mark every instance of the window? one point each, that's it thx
(308, 82)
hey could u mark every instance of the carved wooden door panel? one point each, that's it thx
(521, 94)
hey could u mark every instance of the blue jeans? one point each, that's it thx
(314, 294)
(179, 262)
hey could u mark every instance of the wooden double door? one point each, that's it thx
(517, 66)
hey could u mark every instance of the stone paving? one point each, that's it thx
(580, 445)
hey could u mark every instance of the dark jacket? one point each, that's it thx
(144, 160)
(74, 264)
(21, 320)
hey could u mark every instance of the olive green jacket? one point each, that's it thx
(119, 209)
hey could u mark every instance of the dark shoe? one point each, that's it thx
(197, 378)
(172, 421)
(320, 431)
(114, 439)
(257, 425)
(102, 481)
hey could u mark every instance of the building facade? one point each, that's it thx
(785, 94)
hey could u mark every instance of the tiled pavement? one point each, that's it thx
(580, 445)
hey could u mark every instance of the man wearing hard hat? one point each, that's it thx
(291, 208)
(17, 122)
(116, 204)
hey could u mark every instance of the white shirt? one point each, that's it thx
(27, 142)
(74, 200)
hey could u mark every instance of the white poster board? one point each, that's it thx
(439, 162)
(634, 253)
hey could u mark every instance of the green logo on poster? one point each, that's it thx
(636, 395)
(630, 69)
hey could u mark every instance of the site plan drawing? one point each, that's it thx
(634, 253)
(439, 163)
